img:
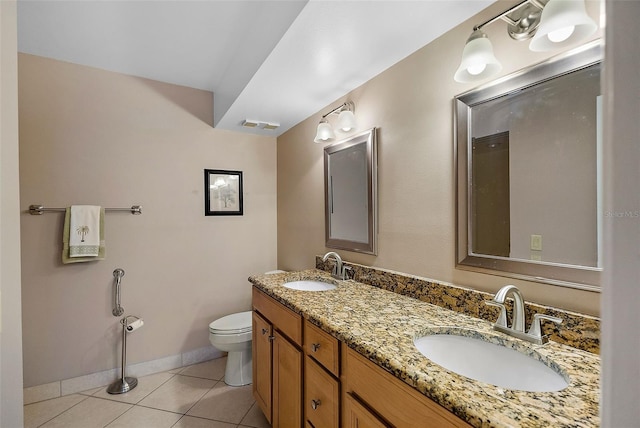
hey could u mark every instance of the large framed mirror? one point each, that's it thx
(350, 190)
(529, 197)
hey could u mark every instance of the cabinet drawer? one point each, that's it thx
(393, 399)
(282, 318)
(322, 347)
(321, 396)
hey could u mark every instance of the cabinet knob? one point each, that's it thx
(315, 347)
(315, 404)
(265, 331)
(272, 338)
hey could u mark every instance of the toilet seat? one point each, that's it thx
(232, 324)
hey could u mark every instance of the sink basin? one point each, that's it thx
(309, 285)
(489, 362)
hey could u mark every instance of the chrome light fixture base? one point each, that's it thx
(524, 22)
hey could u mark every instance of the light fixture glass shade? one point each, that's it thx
(563, 22)
(346, 120)
(325, 133)
(478, 61)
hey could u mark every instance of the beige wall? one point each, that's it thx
(94, 137)
(411, 103)
(11, 414)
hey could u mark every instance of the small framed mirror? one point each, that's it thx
(529, 162)
(350, 190)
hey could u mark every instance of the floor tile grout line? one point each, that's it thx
(178, 413)
(150, 408)
(199, 377)
(131, 406)
(201, 397)
(86, 397)
(246, 413)
(54, 398)
(213, 420)
(163, 410)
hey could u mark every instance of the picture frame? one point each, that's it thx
(222, 192)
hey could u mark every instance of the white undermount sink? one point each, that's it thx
(309, 285)
(488, 362)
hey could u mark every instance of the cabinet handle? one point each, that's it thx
(272, 338)
(315, 347)
(315, 404)
(265, 331)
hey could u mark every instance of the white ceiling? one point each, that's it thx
(277, 61)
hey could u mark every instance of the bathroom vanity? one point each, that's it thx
(346, 357)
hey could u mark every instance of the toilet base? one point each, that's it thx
(239, 370)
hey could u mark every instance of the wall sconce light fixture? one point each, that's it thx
(552, 25)
(346, 122)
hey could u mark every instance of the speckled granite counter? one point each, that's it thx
(381, 325)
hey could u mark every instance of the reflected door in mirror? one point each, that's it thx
(490, 200)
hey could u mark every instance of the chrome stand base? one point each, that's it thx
(122, 385)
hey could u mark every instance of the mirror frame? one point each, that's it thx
(369, 138)
(581, 277)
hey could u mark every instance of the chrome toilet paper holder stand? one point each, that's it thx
(124, 384)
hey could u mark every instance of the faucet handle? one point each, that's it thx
(348, 272)
(535, 329)
(502, 317)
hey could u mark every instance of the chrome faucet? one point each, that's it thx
(534, 334)
(517, 320)
(338, 271)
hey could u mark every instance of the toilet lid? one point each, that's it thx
(234, 323)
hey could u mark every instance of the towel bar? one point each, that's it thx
(39, 209)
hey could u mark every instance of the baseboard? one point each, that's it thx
(74, 385)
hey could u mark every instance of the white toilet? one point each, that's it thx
(233, 335)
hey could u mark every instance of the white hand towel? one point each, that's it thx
(84, 231)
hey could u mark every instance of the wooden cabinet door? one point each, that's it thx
(287, 384)
(321, 396)
(357, 416)
(262, 337)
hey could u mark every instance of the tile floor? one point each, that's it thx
(190, 397)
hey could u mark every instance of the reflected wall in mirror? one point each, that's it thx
(529, 173)
(350, 189)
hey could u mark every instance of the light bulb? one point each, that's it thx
(476, 69)
(325, 132)
(478, 61)
(561, 34)
(346, 120)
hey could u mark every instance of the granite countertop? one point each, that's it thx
(382, 325)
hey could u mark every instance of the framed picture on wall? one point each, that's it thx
(222, 192)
